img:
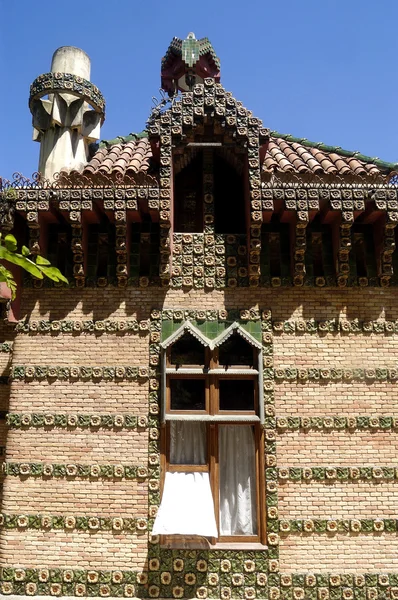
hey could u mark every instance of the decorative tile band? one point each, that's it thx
(41, 372)
(334, 326)
(72, 523)
(119, 421)
(324, 375)
(78, 327)
(337, 422)
(6, 347)
(187, 577)
(60, 471)
(48, 83)
(338, 525)
(333, 473)
(179, 314)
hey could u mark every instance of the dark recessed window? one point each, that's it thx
(236, 351)
(187, 351)
(236, 394)
(187, 394)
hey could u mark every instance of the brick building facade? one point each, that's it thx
(227, 282)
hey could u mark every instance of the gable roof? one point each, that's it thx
(285, 155)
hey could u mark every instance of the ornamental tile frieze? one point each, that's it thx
(77, 327)
(45, 372)
(72, 470)
(292, 374)
(292, 423)
(48, 83)
(338, 526)
(74, 523)
(334, 473)
(71, 421)
(299, 326)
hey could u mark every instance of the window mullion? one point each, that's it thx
(214, 470)
(260, 481)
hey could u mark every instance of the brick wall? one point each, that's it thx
(339, 500)
(298, 552)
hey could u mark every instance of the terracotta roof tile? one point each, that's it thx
(285, 154)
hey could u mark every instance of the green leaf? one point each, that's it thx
(25, 251)
(53, 273)
(40, 260)
(10, 242)
(21, 261)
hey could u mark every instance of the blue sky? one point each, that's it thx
(320, 69)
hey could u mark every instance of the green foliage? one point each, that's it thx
(38, 266)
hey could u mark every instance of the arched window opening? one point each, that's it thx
(275, 249)
(144, 249)
(101, 251)
(363, 262)
(59, 251)
(187, 351)
(236, 351)
(188, 196)
(319, 252)
(229, 198)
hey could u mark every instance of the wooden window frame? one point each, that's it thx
(214, 418)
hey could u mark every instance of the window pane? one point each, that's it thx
(237, 480)
(187, 351)
(187, 443)
(187, 394)
(236, 351)
(236, 394)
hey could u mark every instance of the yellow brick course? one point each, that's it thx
(78, 446)
(338, 500)
(336, 350)
(336, 398)
(76, 497)
(80, 397)
(339, 553)
(84, 349)
(339, 448)
(102, 550)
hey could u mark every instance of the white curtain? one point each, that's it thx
(187, 503)
(237, 480)
(187, 506)
(187, 443)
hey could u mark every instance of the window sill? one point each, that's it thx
(238, 546)
(201, 543)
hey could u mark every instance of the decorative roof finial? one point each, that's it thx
(187, 62)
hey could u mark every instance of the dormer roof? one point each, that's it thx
(286, 155)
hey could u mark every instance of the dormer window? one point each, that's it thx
(212, 438)
(227, 191)
(229, 197)
(188, 194)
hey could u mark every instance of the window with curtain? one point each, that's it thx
(213, 484)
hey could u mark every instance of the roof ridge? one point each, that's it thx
(337, 149)
(382, 164)
(122, 139)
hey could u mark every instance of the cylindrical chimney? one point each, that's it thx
(65, 123)
(69, 59)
